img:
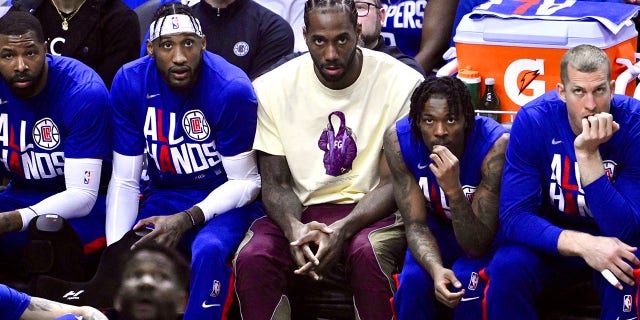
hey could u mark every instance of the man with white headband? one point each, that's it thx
(195, 116)
(53, 139)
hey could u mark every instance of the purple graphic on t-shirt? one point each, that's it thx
(339, 147)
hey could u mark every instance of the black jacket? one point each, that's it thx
(104, 34)
(246, 34)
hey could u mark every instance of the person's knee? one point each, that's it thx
(414, 276)
(382, 250)
(209, 248)
(414, 281)
(362, 252)
(254, 253)
(513, 265)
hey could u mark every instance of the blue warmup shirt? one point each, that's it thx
(68, 119)
(12, 303)
(416, 157)
(541, 191)
(185, 134)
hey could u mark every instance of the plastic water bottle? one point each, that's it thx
(490, 99)
(472, 79)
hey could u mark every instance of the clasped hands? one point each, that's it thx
(318, 237)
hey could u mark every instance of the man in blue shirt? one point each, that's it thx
(54, 135)
(570, 200)
(194, 114)
(446, 167)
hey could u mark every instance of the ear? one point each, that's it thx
(304, 33)
(561, 91)
(204, 43)
(611, 86)
(46, 47)
(149, 48)
(359, 30)
(383, 14)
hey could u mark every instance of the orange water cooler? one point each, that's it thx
(523, 56)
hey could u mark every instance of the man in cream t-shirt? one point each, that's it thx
(321, 120)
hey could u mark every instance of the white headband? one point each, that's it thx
(175, 23)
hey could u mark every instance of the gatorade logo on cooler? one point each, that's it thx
(527, 60)
(520, 82)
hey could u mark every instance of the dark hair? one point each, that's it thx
(171, 8)
(450, 88)
(333, 5)
(15, 23)
(179, 262)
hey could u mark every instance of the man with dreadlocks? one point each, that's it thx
(446, 166)
(195, 115)
(321, 119)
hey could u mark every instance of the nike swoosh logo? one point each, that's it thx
(554, 141)
(149, 96)
(205, 305)
(421, 166)
(634, 318)
(469, 299)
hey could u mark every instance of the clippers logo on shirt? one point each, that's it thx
(469, 191)
(436, 198)
(21, 157)
(241, 49)
(176, 149)
(195, 125)
(45, 134)
(610, 169)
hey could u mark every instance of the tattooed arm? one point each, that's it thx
(411, 203)
(284, 207)
(475, 225)
(281, 203)
(42, 309)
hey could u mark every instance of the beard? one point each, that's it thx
(24, 92)
(346, 67)
(369, 38)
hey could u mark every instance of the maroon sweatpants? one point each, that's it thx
(264, 267)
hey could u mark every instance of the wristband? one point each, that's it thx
(193, 221)
(34, 212)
